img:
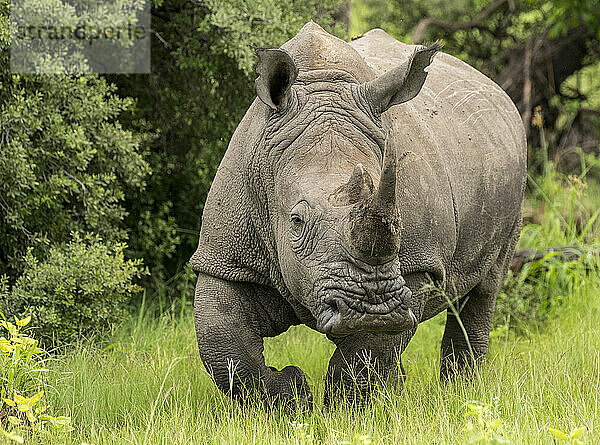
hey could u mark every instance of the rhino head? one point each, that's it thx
(332, 203)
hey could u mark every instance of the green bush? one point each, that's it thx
(80, 288)
(66, 162)
(539, 291)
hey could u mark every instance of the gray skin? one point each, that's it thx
(369, 187)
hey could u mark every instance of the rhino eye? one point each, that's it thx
(296, 220)
(298, 216)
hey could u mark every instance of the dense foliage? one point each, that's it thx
(78, 289)
(66, 163)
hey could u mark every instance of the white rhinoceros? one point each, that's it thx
(295, 231)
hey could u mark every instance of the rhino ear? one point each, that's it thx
(276, 73)
(402, 83)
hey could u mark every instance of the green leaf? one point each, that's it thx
(558, 434)
(12, 329)
(20, 400)
(30, 416)
(36, 398)
(23, 322)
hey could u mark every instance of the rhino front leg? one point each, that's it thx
(361, 362)
(231, 319)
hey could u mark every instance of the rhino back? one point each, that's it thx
(465, 130)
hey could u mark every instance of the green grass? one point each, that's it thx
(149, 387)
(145, 383)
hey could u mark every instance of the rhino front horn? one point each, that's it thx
(375, 224)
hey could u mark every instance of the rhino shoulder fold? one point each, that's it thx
(229, 247)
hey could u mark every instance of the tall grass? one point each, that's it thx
(145, 384)
(148, 386)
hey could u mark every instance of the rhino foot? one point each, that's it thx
(287, 388)
(361, 364)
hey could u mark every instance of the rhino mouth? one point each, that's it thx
(378, 306)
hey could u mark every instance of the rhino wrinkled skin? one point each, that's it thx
(370, 186)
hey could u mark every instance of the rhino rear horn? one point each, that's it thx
(276, 73)
(402, 83)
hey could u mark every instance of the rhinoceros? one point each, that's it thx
(370, 186)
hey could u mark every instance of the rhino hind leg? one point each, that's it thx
(230, 326)
(360, 363)
(460, 354)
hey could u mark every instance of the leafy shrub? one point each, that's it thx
(66, 163)
(81, 288)
(483, 425)
(567, 211)
(21, 369)
(539, 290)
(22, 381)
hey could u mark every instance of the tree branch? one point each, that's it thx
(159, 37)
(422, 26)
(586, 110)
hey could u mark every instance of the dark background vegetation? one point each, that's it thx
(130, 158)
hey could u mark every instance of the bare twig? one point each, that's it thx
(422, 26)
(563, 253)
(586, 110)
(527, 87)
(159, 37)
(83, 187)
(550, 68)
